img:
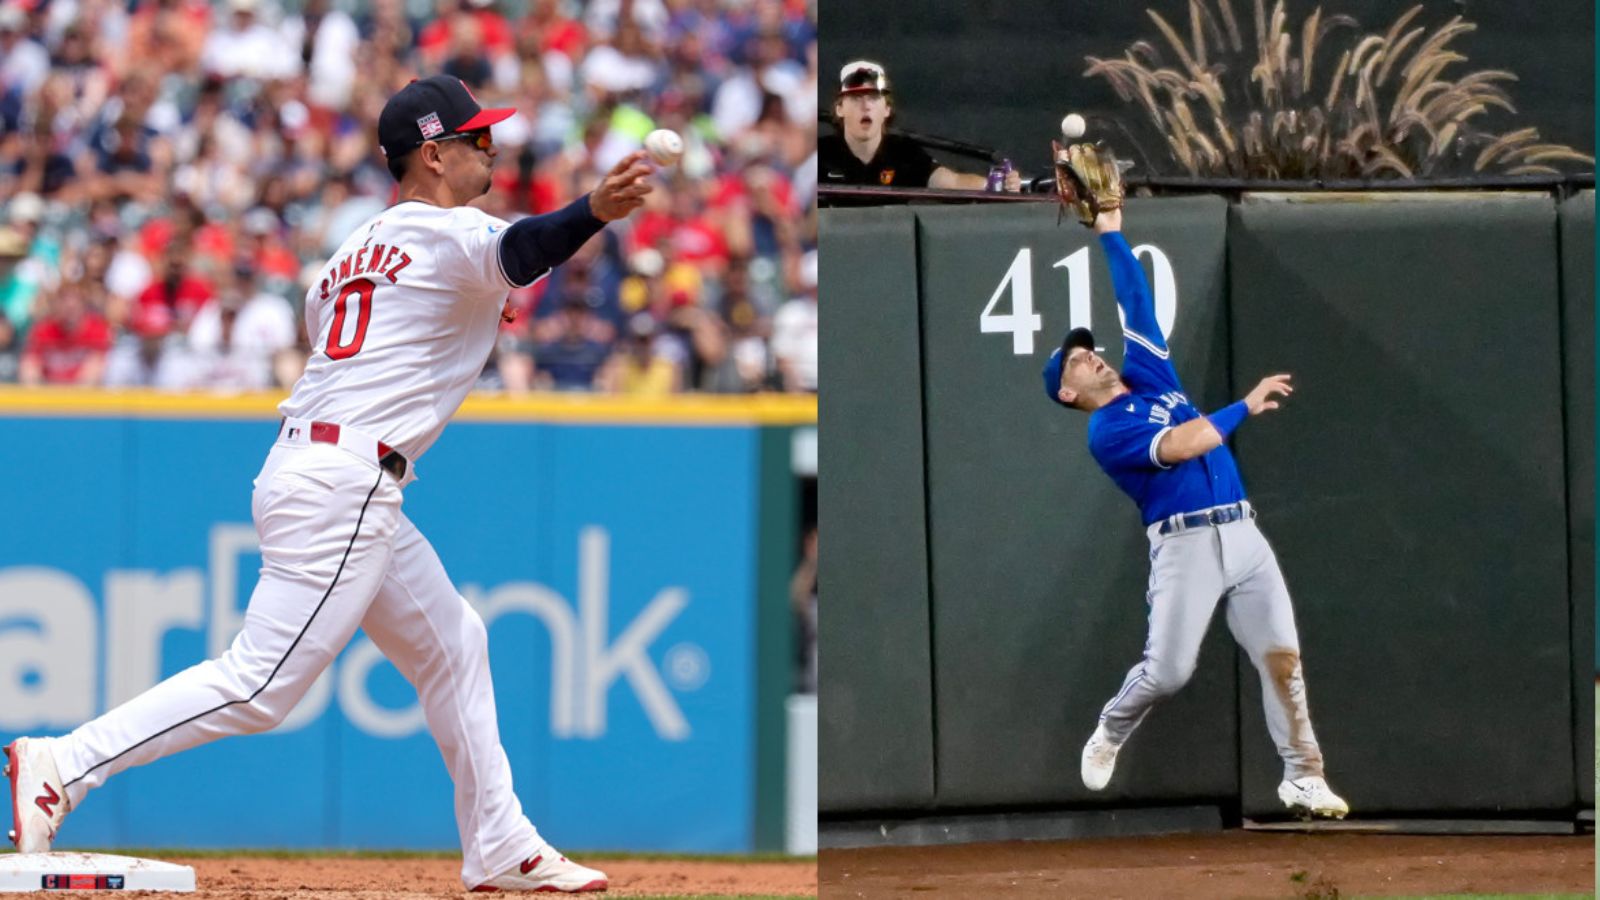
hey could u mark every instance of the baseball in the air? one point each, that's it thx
(664, 146)
(1073, 125)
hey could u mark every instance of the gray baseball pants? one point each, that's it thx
(1190, 571)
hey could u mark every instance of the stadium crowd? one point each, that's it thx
(173, 171)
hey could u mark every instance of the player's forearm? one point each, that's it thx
(537, 244)
(1132, 288)
(1196, 437)
(1230, 417)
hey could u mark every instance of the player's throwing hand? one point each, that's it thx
(622, 190)
(1260, 400)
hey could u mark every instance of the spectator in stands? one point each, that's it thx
(328, 42)
(747, 366)
(794, 333)
(862, 152)
(148, 355)
(168, 35)
(176, 287)
(37, 269)
(127, 163)
(262, 324)
(573, 359)
(637, 367)
(24, 62)
(245, 45)
(68, 344)
(489, 30)
(229, 364)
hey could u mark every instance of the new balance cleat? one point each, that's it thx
(1312, 798)
(1099, 759)
(547, 871)
(38, 798)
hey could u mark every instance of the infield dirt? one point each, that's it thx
(1233, 865)
(335, 878)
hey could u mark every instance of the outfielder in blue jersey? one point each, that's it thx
(1204, 544)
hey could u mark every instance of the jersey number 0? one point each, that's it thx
(361, 289)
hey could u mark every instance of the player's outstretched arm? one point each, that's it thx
(536, 244)
(1132, 287)
(1197, 437)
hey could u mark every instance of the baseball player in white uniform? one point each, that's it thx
(402, 319)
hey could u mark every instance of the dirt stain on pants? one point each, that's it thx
(1284, 668)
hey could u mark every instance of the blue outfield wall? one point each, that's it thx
(623, 554)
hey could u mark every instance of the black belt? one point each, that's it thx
(1220, 515)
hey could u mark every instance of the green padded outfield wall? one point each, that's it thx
(1577, 334)
(875, 750)
(1039, 564)
(1415, 490)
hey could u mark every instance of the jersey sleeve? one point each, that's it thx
(1147, 363)
(1124, 441)
(311, 313)
(477, 269)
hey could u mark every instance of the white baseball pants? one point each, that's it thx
(1190, 571)
(337, 554)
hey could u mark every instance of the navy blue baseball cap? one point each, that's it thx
(1077, 337)
(428, 109)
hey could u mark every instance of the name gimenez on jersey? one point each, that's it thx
(387, 261)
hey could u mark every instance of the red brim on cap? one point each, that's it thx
(485, 118)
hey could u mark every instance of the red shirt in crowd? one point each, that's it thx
(434, 41)
(693, 241)
(273, 259)
(62, 350)
(564, 36)
(183, 301)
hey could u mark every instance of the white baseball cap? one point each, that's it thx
(863, 77)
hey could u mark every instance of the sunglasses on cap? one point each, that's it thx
(480, 138)
(863, 76)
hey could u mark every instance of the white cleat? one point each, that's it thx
(38, 798)
(1099, 759)
(547, 870)
(1312, 797)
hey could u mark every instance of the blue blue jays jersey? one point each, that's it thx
(1124, 434)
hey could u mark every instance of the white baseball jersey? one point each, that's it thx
(401, 321)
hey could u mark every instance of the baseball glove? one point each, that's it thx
(1088, 180)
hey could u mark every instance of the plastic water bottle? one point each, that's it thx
(998, 175)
